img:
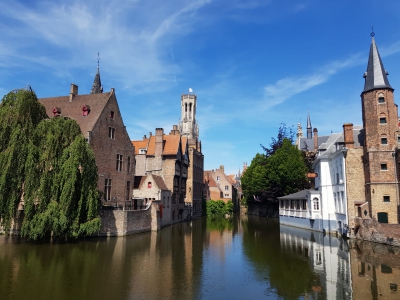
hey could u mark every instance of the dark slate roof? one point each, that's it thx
(73, 109)
(335, 142)
(97, 88)
(310, 142)
(308, 121)
(299, 195)
(376, 75)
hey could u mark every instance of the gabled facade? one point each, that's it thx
(100, 121)
(166, 156)
(150, 189)
(220, 186)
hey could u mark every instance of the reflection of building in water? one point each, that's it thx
(328, 258)
(375, 271)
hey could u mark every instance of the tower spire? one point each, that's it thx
(309, 127)
(376, 75)
(97, 88)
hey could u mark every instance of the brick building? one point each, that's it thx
(220, 186)
(150, 189)
(358, 169)
(380, 120)
(101, 123)
(165, 156)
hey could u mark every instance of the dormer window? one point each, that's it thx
(112, 115)
(56, 112)
(85, 110)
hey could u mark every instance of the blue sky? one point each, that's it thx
(253, 64)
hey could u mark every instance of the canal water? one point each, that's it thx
(243, 258)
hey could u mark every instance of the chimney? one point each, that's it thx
(73, 91)
(159, 141)
(174, 130)
(221, 168)
(315, 138)
(348, 135)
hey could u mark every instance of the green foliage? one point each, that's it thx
(218, 208)
(284, 133)
(286, 170)
(280, 172)
(254, 180)
(47, 164)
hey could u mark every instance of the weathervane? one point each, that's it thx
(98, 60)
(372, 33)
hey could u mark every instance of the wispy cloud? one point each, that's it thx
(130, 35)
(286, 88)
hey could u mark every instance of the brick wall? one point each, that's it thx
(380, 119)
(354, 181)
(106, 150)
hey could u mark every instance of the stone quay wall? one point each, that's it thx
(127, 222)
(371, 230)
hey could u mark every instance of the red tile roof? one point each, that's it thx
(170, 144)
(143, 144)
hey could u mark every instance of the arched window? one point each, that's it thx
(316, 203)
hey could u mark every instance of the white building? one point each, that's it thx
(325, 207)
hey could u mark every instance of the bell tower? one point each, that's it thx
(380, 121)
(188, 125)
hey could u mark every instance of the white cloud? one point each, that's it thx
(286, 88)
(130, 36)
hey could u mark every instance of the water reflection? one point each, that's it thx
(375, 271)
(241, 258)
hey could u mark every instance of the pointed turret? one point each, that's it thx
(309, 127)
(97, 88)
(376, 75)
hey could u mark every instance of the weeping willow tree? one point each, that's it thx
(46, 165)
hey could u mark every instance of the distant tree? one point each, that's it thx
(218, 208)
(283, 133)
(46, 165)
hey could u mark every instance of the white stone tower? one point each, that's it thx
(188, 126)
